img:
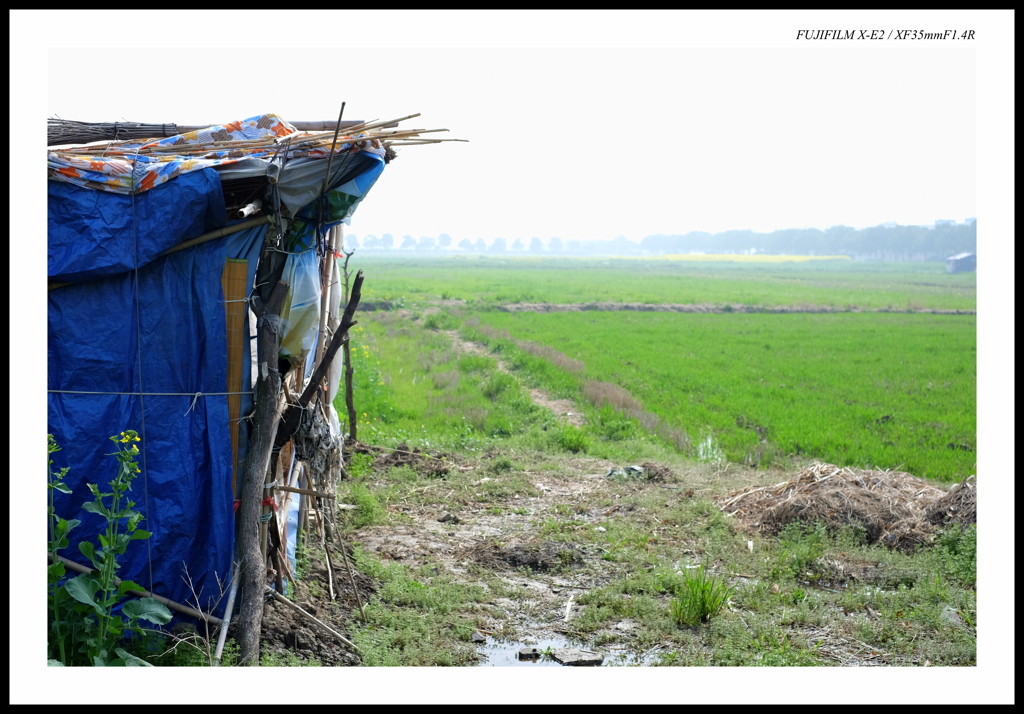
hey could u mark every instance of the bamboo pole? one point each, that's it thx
(350, 407)
(227, 230)
(286, 505)
(330, 571)
(352, 580)
(305, 492)
(222, 636)
(330, 156)
(325, 304)
(370, 125)
(184, 609)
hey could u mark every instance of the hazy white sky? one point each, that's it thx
(583, 142)
(582, 125)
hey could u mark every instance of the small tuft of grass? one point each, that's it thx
(441, 321)
(502, 465)
(699, 597)
(572, 438)
(369, 511)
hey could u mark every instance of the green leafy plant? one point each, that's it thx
(59, 529)
(958, 551)
(699, 597)
(85, 628)
(572, 438)
(800, 546)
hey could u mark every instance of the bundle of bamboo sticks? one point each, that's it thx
(66, 131)
(354, 133)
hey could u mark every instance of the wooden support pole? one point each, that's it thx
(252, 567)
(220, 232)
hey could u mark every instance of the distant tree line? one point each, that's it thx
(888, 242)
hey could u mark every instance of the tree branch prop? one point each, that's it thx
(290, 420)
(252, 567)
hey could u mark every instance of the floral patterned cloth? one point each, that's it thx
(137, 166)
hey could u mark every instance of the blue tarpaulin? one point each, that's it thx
(93, 233)
(156, 351)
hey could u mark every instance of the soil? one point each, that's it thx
(505, 542)
(289, 633)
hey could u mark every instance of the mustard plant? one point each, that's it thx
(83, 606)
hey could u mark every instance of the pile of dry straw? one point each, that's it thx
(894, 508)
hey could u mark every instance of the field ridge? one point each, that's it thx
(706, 308)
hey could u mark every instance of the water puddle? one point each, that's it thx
(507, 654)
(708, 450)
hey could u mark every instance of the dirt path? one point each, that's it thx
(563, 409)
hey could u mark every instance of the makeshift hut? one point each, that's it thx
(962, 263)
(172, 251)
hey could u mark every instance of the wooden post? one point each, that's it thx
(349, 371)
(252, 566)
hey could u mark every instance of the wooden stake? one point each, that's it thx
(281, 598)
(352, 580)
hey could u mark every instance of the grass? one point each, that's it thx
(397, 632)
(699, 597)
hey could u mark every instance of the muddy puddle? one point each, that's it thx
(495, 653)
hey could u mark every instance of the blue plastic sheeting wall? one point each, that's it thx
(171, 339)
(93, 233)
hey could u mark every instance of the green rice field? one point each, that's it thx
(895, 391)
(889, 390)
(488, 280)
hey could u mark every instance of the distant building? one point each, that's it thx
(962, 263)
